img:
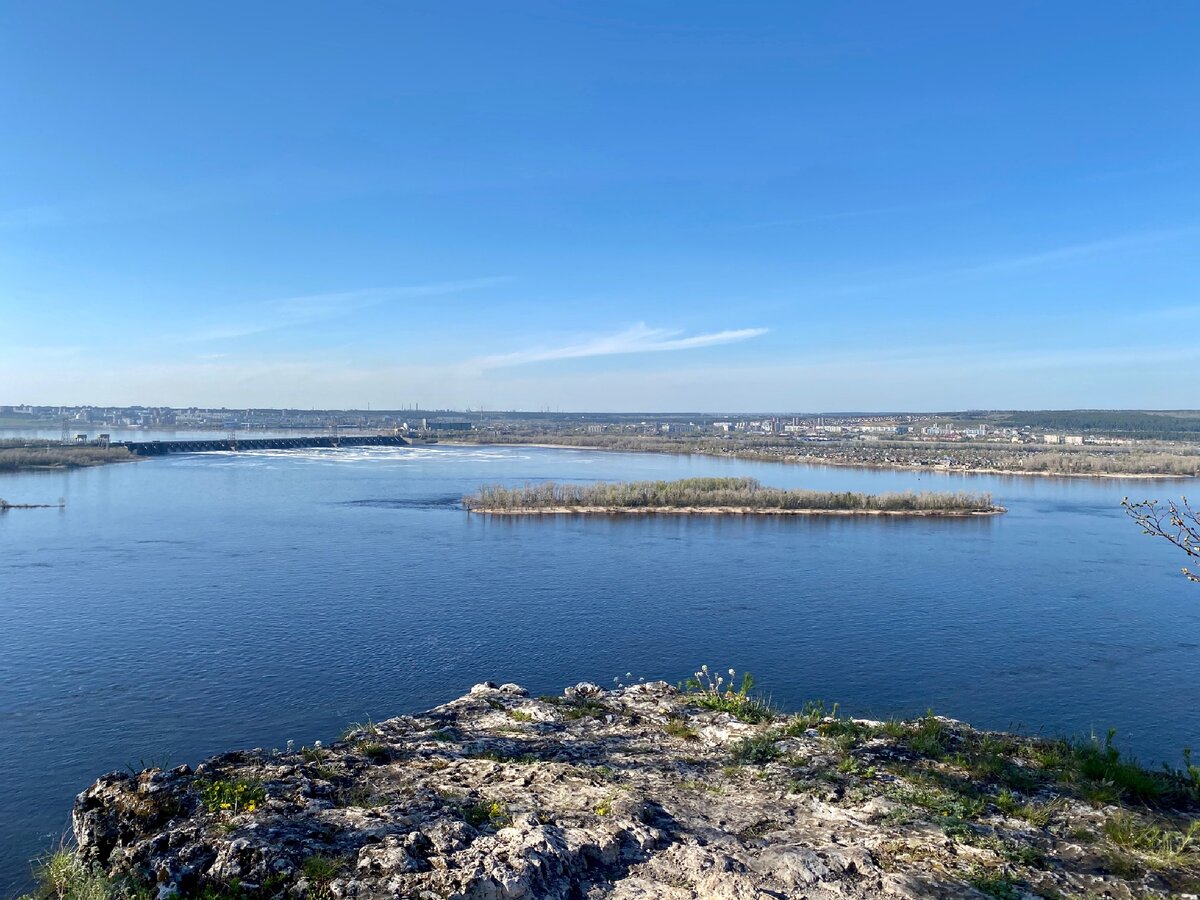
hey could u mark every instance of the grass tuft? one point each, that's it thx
(1162, 846)
(757, 750)
(678, 727)
(710, 691)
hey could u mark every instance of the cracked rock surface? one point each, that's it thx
(631, 793)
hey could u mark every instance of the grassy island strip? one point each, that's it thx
(729, 496)
(19, 455)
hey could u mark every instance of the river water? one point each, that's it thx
(183, 606)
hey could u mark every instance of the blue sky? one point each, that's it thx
(652, 206)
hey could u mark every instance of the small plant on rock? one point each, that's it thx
(229, 798)
(368, 728)
(712, 692)
(1162, 846)
(483, 813)
(759, 749)
(929, 738)
(321, 870)
(61, 877)
(375, 752)
(678, 727)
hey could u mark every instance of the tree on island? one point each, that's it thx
(1177, 522)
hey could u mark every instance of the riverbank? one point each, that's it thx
(645, 791)
(816, 459)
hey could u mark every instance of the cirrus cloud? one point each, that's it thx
(639, 339)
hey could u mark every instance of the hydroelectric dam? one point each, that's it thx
(235, 444)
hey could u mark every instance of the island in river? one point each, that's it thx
(24, 454)
(717, 496)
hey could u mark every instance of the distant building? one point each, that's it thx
(1052, 439)
(1075, 439)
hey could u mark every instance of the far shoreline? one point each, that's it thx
(808, 461)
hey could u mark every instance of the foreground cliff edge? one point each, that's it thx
(645, 791)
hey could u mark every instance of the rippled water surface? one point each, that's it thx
(184, 606)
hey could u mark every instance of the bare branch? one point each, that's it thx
(1176, 522)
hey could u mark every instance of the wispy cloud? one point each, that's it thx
(1019, 262)
(292, 312)
(866, 213)
(638, 339)
(1083, 250)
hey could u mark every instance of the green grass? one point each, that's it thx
(994, 884)
(368, 728)
(757, 750)
(519, 715)
(848, 765)
(812, 714)
(322, 868)
(845, 733)
(375, 752)
(230, 797)
(485, 813)
(586, 708)
(1101, 774)
(709, 691)
(1162, 846)
(678, 727)
(1041, 815)
(1104, 763)
(1007, 802)
(61, 877)
(744, 709)
(950, 801)
(929, 737)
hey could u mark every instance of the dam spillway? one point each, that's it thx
(162, 448)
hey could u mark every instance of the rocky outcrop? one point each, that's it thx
(632, 793)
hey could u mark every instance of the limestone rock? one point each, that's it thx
(622, 794)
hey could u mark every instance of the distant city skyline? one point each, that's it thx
(550, 206)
